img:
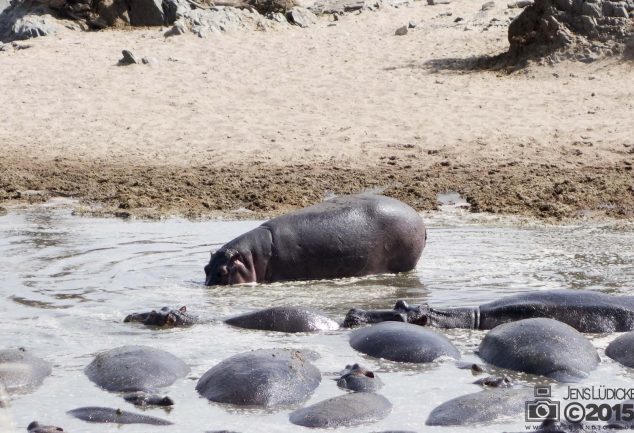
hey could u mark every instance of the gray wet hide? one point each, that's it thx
(402, 342)
(284, 319)
(264, 378)
(343, 411)
(135, 368)
(540, 346)
(20, 371)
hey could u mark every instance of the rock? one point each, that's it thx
(301, 17)
(412, 25)
(128, 58)
(264, 378)
(33, 26)
(177, 29)
(278, 17)
(401, 31)
(488, 6)
(519, 4)
(4, 4)
(151, 61)
(438, 2)
(146, 12)
(343, 411)
(174, 10)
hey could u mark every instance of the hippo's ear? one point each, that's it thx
(183, 309)
(369, 374)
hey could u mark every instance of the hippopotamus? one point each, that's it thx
(347, 236)
(36, 427)
(135, 368)
(359, 379)
(402, 342)
(540, 346)
(480, 407)
(622, 349)
(114, 416)
(494, 382)
(165, 317)
(267, 378)
(343, 411)
(20, 371)
(586, 311)
(284, 319)
(142, 398)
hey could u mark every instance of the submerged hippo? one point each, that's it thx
(114, 416)
(143, 399)
(402, 342)
(359, 379)
(36, 427)
(622, 349)
(586, 311)
(540, 346)
(135, 368)
(20, 371)
(480, 407)
(261, 378)
(165, 317)
(343, 411)
(284, 319)
(346, 236)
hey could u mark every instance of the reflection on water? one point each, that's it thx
(66, 283)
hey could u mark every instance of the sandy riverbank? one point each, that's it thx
(273, 120)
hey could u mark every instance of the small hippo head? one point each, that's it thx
(227, 266)
(166, 316)
(360, 379)
(402, 312)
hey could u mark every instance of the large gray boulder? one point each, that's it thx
(146, 12)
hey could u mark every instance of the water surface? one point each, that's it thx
(67, 282)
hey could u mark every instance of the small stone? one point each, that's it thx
(458, 19)
(200, 31)
(177, 29)
(401, 31)
(412, 25)
(488, 6)
(438, 2)
(128, 58)
(301, 17)
(149, 61)
(277, 17)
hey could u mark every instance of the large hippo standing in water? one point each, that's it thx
(584, 310)
(346, 236)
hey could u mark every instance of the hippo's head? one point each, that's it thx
(166, 316)
(228, 266)
(360, 379)
(402, 312)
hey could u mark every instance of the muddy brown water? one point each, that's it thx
(67, 282)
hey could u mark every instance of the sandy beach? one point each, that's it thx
(272, 120)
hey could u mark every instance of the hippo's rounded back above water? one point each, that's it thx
(540, 346)
(135, 368)
(346, 236)
(20, 371)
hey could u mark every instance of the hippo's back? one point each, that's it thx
(346, 236)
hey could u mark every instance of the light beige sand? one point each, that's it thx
(348, 94)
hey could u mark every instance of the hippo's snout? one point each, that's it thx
(358, 317)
